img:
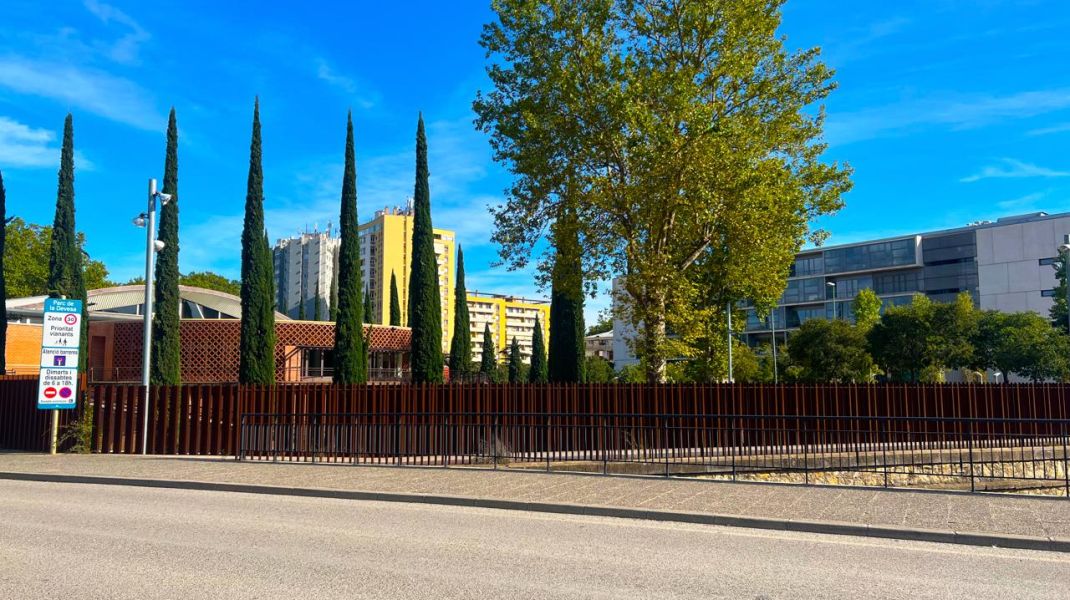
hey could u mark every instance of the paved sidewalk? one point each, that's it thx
(777, 506)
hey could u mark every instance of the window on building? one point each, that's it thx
(1047, 261)
(1047, 293)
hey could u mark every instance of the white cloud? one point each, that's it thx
(1026, 202)
(125, 50)
(948, 111)
(1011, 168)
(103, 94)
(24, 146)
(1049, 130)
(360, 94)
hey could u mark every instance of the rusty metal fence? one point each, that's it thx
(891, 432)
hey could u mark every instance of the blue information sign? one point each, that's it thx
(61, 333)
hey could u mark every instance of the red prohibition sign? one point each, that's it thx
(50, 392)
(70, 319)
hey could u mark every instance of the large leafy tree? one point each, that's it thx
(256, 362)
(211, 281)
(425, 310)
(1022, 343)
(919, 340)
(26, 260)
(488, 362)
(830, 352)
(538, 371)
(350, 356)
(395, 302)
(567, 354)
(166, 343)
(65, 275)
(683, 132)
(461, 344)
(867, 309)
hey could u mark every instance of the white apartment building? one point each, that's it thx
(304, 269)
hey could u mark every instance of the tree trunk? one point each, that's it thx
(654, 338)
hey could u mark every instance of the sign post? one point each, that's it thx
(61, 334)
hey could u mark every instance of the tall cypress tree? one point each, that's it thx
(350, 357)
(395, 303)
(425, 310)
(514, 362)
(566, 362)
(3, 283)
(461, 345)
(256, 361)
(369, 317)
(537, 373)
(488, 363)
(65, 277)
(166, 344)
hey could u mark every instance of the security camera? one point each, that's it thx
(164, 198)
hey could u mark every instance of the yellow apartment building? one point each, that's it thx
(385, 247)
(508, 317)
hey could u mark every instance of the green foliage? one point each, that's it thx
(599, 370)
(395, 302)
(1022, 343)
(538, 371)
(515, 362)
(211, 281)
(79, 432)
(350, 355)
(425, 310)
(368, 316)
(604, 324)
(488, 362)
(256, 356)
(632, 373)
(567, 352)
(461, 344)
(166, 360)
(867, 309)
(1058, 305)
(684, 134)
(830, 352)
(3, 279)
(317, 310)
(917, 341)
(65, 269)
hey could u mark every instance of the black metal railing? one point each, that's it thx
(950, 453)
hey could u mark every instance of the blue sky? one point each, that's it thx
(950, 111)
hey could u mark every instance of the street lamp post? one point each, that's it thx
(835, 308)
(731, 378)
(147, 220)
(1064, 249)
(772, 326)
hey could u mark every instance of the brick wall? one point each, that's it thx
(23, 351)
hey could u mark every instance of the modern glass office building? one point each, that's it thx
(1005, 265)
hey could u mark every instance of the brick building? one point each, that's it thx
(210, 333)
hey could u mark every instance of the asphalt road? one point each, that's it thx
(88, 541)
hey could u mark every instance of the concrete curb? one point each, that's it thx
(826, 527)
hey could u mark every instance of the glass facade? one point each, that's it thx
(804, 290)
(880, 255)
(808, 265)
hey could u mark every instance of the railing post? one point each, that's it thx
(275, 439)
(969, 446)
(546, 440)
(665, 443)
(806, 454)
(1066, 463)
(241, 438)
(735, 438)
(605, 447)
(446, 446)
(314, 435)
(494, 444)
(882, 439)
